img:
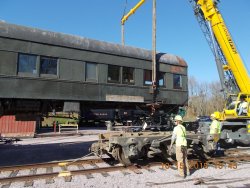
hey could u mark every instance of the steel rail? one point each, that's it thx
(51, 164)
(133, 168)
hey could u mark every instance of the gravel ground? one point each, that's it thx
(73, 147)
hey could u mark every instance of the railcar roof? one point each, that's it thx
(77, 42)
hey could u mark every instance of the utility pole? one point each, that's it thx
(154, 45)
(153, 88)
(154, 84)
(123, 41)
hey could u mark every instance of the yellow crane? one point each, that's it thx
(233, 75)
(235, 125)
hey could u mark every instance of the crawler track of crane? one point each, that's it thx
(236, 156)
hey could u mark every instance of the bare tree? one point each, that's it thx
(204, 98)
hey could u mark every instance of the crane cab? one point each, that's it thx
(235, 108)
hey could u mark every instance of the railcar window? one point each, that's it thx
(161, 79)
(91, 74)
(113, 74)
(147, 77)
(177, 81)
(27, 63)
(128, 75)
(48, 65)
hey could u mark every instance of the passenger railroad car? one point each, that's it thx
(43, 71)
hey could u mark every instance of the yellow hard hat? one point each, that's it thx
(213, 115)
(178, 118)
(216, 115)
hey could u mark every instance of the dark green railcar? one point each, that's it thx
(43, 71)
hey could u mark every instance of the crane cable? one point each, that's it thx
(125, 8)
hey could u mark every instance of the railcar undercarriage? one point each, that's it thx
(128, 146)
(150, 141)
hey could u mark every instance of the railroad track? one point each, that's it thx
(49, 171)
(49, 175)
(14, 173)
(52, 164)
(236, 151)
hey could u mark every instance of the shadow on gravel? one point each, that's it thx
(28, 154)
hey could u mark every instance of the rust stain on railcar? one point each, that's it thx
(182, 61)
(176, 69)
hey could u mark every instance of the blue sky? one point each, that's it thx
(177, 29)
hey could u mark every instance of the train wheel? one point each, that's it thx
(121, 157)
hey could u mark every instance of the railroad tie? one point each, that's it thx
(65, 173)
(135, 170)
(88, 176)
(104, 174)
(49, 180)
(124, 172)
(30, 182)
(12, 174)
(149, 169)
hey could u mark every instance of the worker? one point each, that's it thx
(242, 110)
(215, 128)
(179, 135)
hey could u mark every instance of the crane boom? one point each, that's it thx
(132, 11)
(234, 62)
